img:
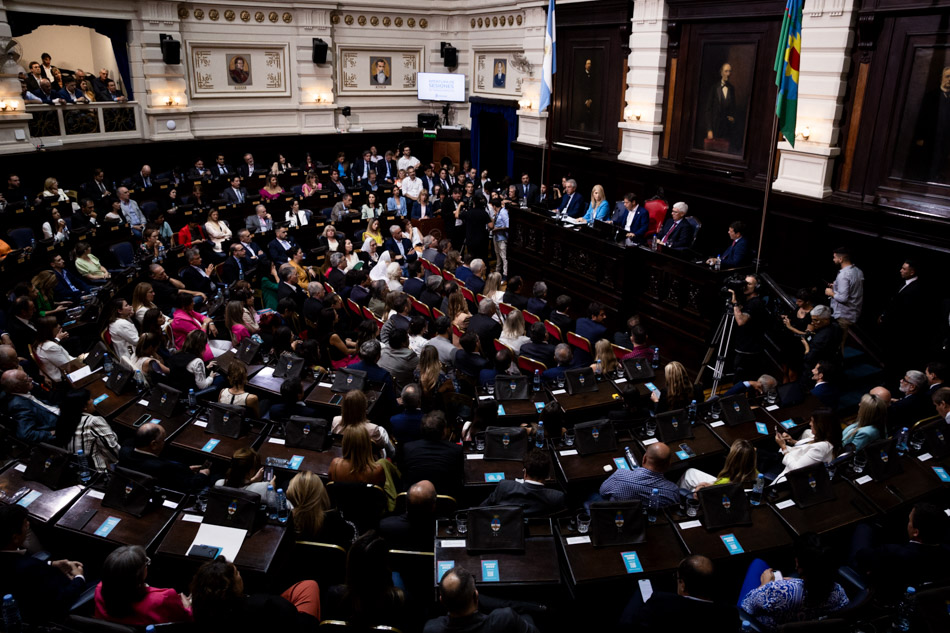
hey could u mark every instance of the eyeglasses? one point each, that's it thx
(904, 379)
(148, 561)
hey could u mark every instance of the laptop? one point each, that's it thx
(596, 436)
(810, 485)
(93, 359)
(505, 443)
(495, 528)
(883, 460)
(673, 426)
(725, 505)
(580, 380)
(616, 523)
(736, 410)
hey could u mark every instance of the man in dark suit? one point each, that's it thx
(526, 190)
(246, 169)
(359, 293)
(414, 284)
(43, 590)
(411, 529)
(386, 169)
(198, 171)
(485, 326)
(361, 168)
(825, 375)
(254, 255)
(592, 328)
(314, 302)
(512, 296)
(235, 194)
(722, 112)
(428, 180)
(279, 248)
(753, 388)
(398, 321)
(476, 218)
(538, 349)
(97, 188)
(825, 343)
(335, 276)
(476, 282)
(677, 231)
(369, 352)
(460, 599)
(468, 360)
(633, 219)
(538, 304)
(738, 253)
(564, 357)
(221, 169)
(937, 373)
(399, 246)
(69, 285)
(407, 424)
(288, 288)
(916, 403)
(572, 204)
(20, 326)
(141, 454)
(691, 608)
(908, 331)
(560, 316)
(143, 179)
(196, 278)
(35, 421)
(236, 265)
(530, 493)
(433, 458)
(430, 292)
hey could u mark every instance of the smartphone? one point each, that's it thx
(206, 465)
(268, 473)
(336, 399)
(142, 420)
(651, 387)
(778, 575)
(687, 449)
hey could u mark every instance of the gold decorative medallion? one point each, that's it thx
(361, 20)
(423, 23)
(480, 23)
(245, 16)
(182, 13)
(494, 21)
(259, 16)
(199, 14)
(473, 23)
(411, 22)
(213, 15)
(398, 22)
(519, 19)
(229, 15)
(334, 19)
(386, 21)
(272, 16)
(349, 20)
(511, 20)
(288, 17)
(374, 21)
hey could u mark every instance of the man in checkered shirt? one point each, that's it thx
(626, 485)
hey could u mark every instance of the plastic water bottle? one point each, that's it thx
(599, 370)
(150, 628)
(12, 622)
(539, 436)
(590, 222)
(139, 380)
(653, 506)
(901, 445)
(630, 458)
(746, 627)
(692, 412)
(537, 380)
(905, 610)
(241, 273)
(756, 497)
(107, 365)
(271, 500)
(717, 264)
(281, 506)
(84, 475)
(655, 362)
(192, 401)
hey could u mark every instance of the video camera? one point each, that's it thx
(736, 284)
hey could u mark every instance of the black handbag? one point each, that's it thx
(48, 465)
(129, 491)
(308, 433)
(349, 379)
(247, 351)
(725, 505)
(495, 528)
(227, 420)
(119, 379)
(580, 380)
(288, 366)
(673, 426)
(163, 400)
(506, 443)
(616, 523)
(511, 387)
(810, 485)
(596, 436)
(232, 507)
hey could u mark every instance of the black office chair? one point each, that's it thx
(124, 254)
(697, 225)
(21, 237)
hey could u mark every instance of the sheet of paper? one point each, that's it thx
(862, 480)
(95, 494)
(80, 373)
(686, 525)
(773, 407)
(788, 503)
(485, 397)
(569, 452)
(646, 589)
(577, 540)
(455, 542)
(475, 456)
(325, 384)
(20, 467)
(192, 518)
(144, 403)
(267, 372)
(201, 423)
(620, 381)
(228, 539)
(170, 504)
(924, 456)
(558, 392)
(276, 440)
(716, 425)
(652, 440)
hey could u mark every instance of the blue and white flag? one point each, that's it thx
(549, 65)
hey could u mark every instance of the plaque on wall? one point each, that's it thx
(231, 69)
(367, 70)
(497, 74)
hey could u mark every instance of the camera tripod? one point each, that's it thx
(720, 346)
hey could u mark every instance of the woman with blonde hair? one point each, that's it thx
(44, 284)
(272, 190)
(372, 230)
(236, 394)
(432, 380)
(513, 331)
(353, 413)
(311, 186)
(598, 209)
(604, 352)
(142, 300)
(217, 230)
(313, 518)
(357, 464)
(679, 391)
(328, 239)
(458, 313)
(867, 426)
(493, 290)
(51, 190)
(739, 468)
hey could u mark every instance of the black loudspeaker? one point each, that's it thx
(319, 51)
(171, 50)
(451, 57)
(427, 121)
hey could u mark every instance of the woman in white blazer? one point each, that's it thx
(817, 445)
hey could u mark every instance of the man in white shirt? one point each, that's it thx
(411, 186)
(407, 160)
(131, 212)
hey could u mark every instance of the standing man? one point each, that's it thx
(907, 345)
(527, 191)
(752, 319)
(500, 234)
(847, 292)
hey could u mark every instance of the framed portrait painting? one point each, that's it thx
(230, 69)
(497, 71)
(373, 70)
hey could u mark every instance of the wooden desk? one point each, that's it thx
(193, 437)
(49, 504)
(605, 396)
(257, 552)
(848, 508)
(662, 551)
(536, 566)
(766, 532)
(916, 482)
(476, 467)
(264, 380)
(172, 425)
(751, 432)
(87, 515)
(519, 411)
(317, 462)
(576, 468)
(321, 395)
(705, 444)
(113, 402)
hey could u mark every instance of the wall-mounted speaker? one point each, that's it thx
(450, 58)
(320, 51)
(171, 49)
(427, 121)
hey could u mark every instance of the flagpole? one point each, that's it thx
(546, 168)
(768, 188)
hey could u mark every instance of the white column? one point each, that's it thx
(532, 125)
(827, 36)
(646, 78)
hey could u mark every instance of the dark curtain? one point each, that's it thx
(115, 30)
(509, 112)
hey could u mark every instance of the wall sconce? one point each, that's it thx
(323, 97)
(629, 114)
(172, 101)
(805, 132)
(9, 106)
(637, 115)
(524, 104)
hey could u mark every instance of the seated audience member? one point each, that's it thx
(415, 282)
(817, 445)
(484, 325)
(679, 391)
(430, 293)
(188, 369)
(143, 454)
(357, 464)
(469, 360)
(513, 331)
(512, 296)
(564, 357)
(148, 357)
(369, 596)
(417, 330)
(867, 426)
(640, 349)
(260, 222)
(431, 379)
(915, 403)
(891, 567)
(69, 286)
(167, 289)
(692, 607)
(187, 320)
(572, 204)
(539, 349)
(398, 317)
(196, 277)
(80, 428)
(122, 330)
(219, 604)
(624, 485)
(811, 595)
(245, 471)
(407, 425)
(124, 597)
(677, 232)
(370, 352)
(825, 342)
(605, 361)
(826, 375)
(476, 282)
(442, 341)
(50, 355)
(313, 518)
(21, 325)
(236, 394)
(433, 458)
(537, 304)
(739, 468)
(739, 252)
(937, 374)
(88, 265)
(753, 388)
(530, 493)
(458, 595)
(291, 403)
(941, 402)
(278, 250)
(42, 589)
(353, 413)
(561, 317)
(501, 366)
(412, 530)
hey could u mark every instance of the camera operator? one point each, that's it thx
(752, 320)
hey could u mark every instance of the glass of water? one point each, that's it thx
(651, 427)
(569, 437)
(479, 442)
(490, 388)
(461, 522)
(715, 410)
(859, 462)
(917, 441)
(583, 523)
(692, 506)
(772, 396)
(560, 381)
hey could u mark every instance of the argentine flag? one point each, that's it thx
(548, 66)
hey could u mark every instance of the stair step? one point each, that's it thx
(852, 352)
(862, 371)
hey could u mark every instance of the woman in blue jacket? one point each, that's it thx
(598, 206)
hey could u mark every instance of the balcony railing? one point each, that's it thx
(85, 123)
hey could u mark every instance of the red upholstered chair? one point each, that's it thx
(468, 294)
(530, 318)
(420, 307)
(579, 342)
(553, 330)
(500, 346)
(529, 365)
(619, 351)
(505, 308)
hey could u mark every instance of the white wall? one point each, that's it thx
(71, 47)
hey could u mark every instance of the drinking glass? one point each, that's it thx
(490, 388)
(583, 523)
(479, 442)
(560, 381)
(715, 410)
(859, 462)
(692, 506)
(651, 427)
(461, 522)
(569, 437)
(917, 441)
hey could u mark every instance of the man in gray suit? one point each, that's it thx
(530, 493)
(260, 222)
